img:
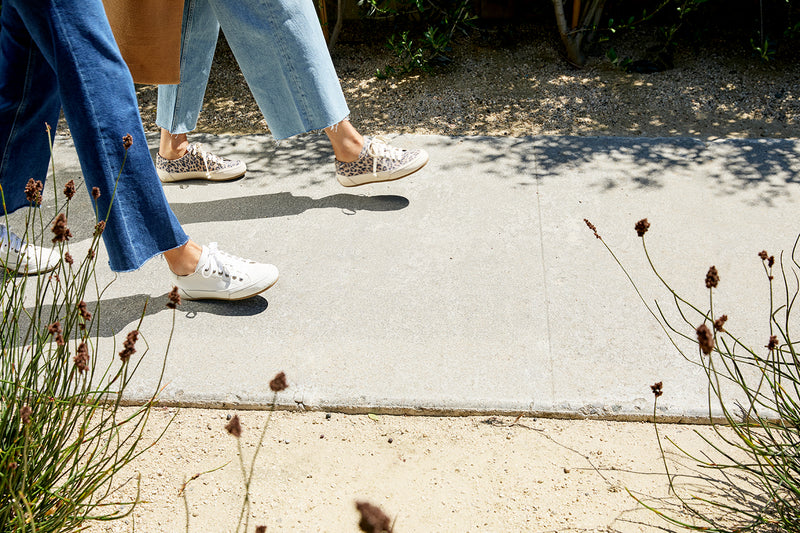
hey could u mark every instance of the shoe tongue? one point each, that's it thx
(201, 263)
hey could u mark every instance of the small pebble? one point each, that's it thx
(391, 440)
(228, 416)
(322, 436)
(327, 416)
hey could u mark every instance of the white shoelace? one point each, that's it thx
(9, 238)
(378, 148)
(222, 263)
(196, 150)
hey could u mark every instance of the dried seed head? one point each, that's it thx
(127, 141)
(25, 414)
(99, 227)
(90, 253)
(33, 191)
(128, 347)
(60, 230)
(85, 314)
(95, 192)
(773, 343)
(81, 358)
(68, 258)
(234, 427)
(174, 298)
(705, 339)
(278, 383)
(712, 278)
(261, 529)
(373, 520)
(641, 227)
(593, 228)
(54, 328)
(656, 388)
(763, 255)
(719, 323)
(771, 261)
(69, 189)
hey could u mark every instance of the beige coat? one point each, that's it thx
(148, 33)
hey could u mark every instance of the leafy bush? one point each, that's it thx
(61, 439)
(424, 31)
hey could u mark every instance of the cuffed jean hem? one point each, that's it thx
(282, 54)
(143, 261)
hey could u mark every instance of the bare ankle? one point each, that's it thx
(172, 146)
(183, 260)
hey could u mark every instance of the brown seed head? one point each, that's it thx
(712, 278)
(373, 520)
(174, 298)
(95, 192)
(641, 227)
(81, 358)
(128, 347)
(656, 388)
(99, 227)
(68, 258)
(54, 328)
(69, 189)
(763, 255)
(261, 529)
(85, 314)
(127, 141)
(593, 228)
(234, 427)
(705, 339)
(771, 261)
(720, 322)
(773, 343)
(60, 230)
(33, 191)
(25, 414)
(90, 253)
(278, 383)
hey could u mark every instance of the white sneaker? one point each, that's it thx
(196, 163)
(222, 276)
(18, 256)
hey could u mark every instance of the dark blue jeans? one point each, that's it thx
(61, 53)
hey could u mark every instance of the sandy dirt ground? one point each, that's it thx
(461, 474)
(471, 473)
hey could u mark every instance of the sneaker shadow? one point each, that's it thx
(115, 314)
(280, 205)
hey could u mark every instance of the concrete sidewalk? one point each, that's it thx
(473, 286)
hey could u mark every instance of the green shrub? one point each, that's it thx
(424, 31)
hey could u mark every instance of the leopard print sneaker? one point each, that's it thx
(196, 163)
(379, 161)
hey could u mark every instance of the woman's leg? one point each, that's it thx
(97, 93)
(284, 58)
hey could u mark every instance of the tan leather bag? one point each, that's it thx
(148, 33)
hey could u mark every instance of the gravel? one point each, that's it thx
(520, 85)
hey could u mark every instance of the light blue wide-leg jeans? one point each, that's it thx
(282, 53)
(56, 53)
